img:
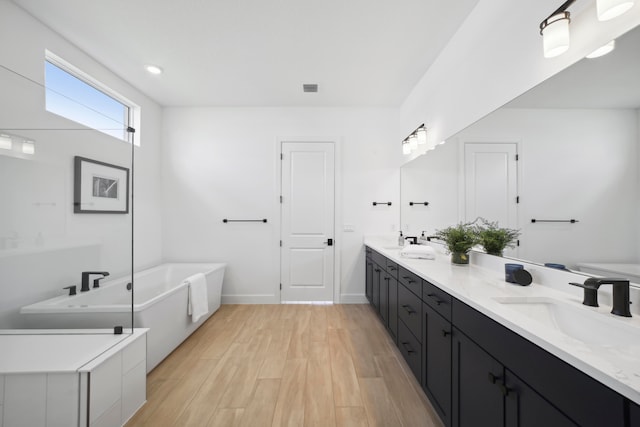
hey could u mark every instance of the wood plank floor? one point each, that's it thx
(286, 365)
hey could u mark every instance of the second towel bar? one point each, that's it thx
(244, 220)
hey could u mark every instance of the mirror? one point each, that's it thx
(45, 244)
(577, 140)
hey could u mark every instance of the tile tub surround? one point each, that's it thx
(478, 284)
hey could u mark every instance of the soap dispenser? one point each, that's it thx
(401, 239)
(422, 240)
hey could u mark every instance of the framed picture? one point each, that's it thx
(100, 187)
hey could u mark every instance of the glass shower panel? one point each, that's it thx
(65, 217)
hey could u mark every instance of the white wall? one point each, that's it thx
(37, 194)
(580, 164)
(224, 163)
(495, 56)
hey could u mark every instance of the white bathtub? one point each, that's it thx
(160, 303)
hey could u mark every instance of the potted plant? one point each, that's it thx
(495, 239)
(459, 239)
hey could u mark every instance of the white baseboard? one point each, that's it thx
(353, 299)
(250, 299)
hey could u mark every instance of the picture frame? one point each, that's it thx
(100, 187)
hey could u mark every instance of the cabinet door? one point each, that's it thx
(526, 408)
(393, 308)
(634, 415)
(375, 287)
(384, 298)
(436, 354)
(477, 397)
(369, 280)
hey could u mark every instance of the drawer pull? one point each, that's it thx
(493, 378)
(377, 270)
(392, 268)
(387, 278)
(445, 333)
(435, 298)
(408, 279)
(408, 309)
(407, 347)
(505, 390)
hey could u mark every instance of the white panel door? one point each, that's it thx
(307, 254)
(491, 183)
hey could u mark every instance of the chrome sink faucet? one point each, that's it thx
(621, 300)
(85, 279)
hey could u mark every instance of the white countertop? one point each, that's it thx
(30, 351)
(616, 365)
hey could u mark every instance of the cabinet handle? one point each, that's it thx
(445, 333)
(387, 278)
(435, 298)
(493, 378)
(408, 309)
(392, 268)
(407, 347)
(377, 270)
(505, 390)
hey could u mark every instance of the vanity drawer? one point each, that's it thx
(438, 299)
(410, 280)
(392, 268)
(410, 311)
(411, 350)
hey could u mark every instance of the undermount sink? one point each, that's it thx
(581, 323)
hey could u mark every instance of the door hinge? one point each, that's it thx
(280, 243)
(518, 242)
(280, 199)
(280, 286)
(517, 157)
(517, 199)
(281, 156)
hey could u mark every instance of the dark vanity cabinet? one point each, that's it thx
(634, 415)
(369, 275)
(477, 372)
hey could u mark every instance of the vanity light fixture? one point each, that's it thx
(609, 9)
(417, 137)
(5, 142)
(602, 50)
(421, 133)
(555, 31)
(153, 69)
(406, 148)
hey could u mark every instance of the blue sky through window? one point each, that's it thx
(70, 97)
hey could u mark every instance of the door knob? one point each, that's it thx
(329, 242)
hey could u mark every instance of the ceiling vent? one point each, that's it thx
(310, 87)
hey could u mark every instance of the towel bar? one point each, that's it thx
(572, 221)
(244, 220)
(418, 203)
(381, 203)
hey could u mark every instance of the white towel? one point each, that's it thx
(198, 304)
(418, 251)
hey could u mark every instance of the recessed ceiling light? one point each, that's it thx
(153, 69)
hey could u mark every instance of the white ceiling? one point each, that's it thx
(260, 52)
(610, 81)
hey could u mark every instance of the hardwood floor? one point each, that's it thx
(293, 365)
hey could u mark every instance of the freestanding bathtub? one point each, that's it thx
(160, 303)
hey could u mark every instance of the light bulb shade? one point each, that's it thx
(421, 133)
(406, 149)
(413, 142)
(609, 9)
(602, 50)
(555, 34)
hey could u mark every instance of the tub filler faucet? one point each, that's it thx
(96, 282)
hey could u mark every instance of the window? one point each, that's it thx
(76, 96)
